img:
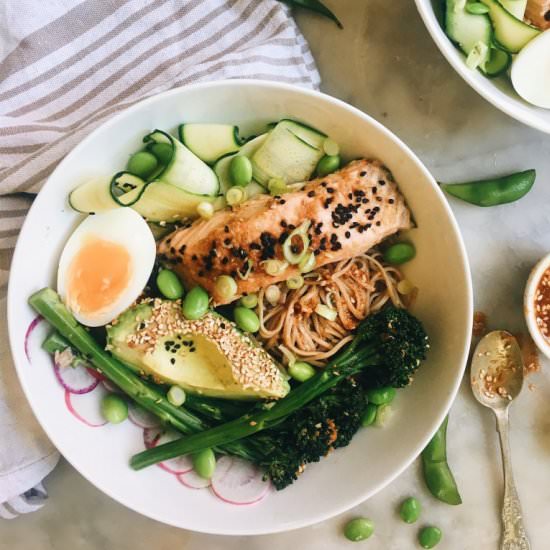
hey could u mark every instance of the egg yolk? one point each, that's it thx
(98, 274)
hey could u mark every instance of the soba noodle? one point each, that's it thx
(354, 288)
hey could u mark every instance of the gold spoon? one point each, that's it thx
(496, 379)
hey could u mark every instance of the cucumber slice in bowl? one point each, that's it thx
(515, 7)
(498, 63)
(126, 188)
(183, 168)
(93, 196)
(210, 141)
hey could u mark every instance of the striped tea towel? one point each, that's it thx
(66, 66)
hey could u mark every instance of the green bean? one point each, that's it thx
(429, 537)
(369, 415)
(327, 165)
(410, 510)
(250, 301)
(437, 474)
(381, 396)
(399, 253)
(195, 304)
(240, 171)
(162, 151)
(114, 409)
(169, 284)
(204, 463)
(142, 164)
(246, 319)
(301, 371)
(494, 191)
(476, 8)
(359, 529)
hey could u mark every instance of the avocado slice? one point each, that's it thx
(209, 356)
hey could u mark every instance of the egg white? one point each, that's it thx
(126, 228)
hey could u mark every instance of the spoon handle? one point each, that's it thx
(514, 536)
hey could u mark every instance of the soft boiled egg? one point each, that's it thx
(105, 265)
(531, 71)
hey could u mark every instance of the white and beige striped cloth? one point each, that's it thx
(66, 66)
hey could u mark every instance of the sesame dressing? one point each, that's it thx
(542, 304)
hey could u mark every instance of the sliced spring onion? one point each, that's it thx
(295, 282)
(277, 186)
(273, 294)
(296, 257)
(330, 147)
(405, 287)
(307, 263)
(235, 195)
(478, 55)
(226, 287)
(176, 396)
(326, 312)
(250, 301)
(205, 210)
(383, 415)
(274, 267)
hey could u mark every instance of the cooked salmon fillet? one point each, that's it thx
(538, 13)
(349, 211)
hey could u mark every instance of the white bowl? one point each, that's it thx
(347, 476)
(529, 304)
(498, 91)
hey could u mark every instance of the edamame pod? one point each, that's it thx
(494, 191)
(437, 474)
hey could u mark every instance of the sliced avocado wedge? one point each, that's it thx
(209, 356)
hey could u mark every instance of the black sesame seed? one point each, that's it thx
(348, 234)
(201, 273)
(330, 190)
(379, 199)
(283, 223)
(381, 182)
(225, 260)
(317, 252)
(234, 273)
(222, 326)
(172, 250)
(311, 194)
(378, 224)
(226, 229)
(255, 246)
(172, 360)
(182, 248)
(323, 184)
(391, 201)
(374, 190)
(227, 241)
(362, 174)
(194, 257)
(282, 201)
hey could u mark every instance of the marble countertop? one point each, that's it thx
(385, 63)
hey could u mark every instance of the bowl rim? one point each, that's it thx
(462, 360)
(449, 51)
(528, 304)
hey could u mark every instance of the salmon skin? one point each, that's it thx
(349, 211)
(538, 13)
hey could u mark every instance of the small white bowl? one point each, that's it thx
(529, 305)
(498, 91)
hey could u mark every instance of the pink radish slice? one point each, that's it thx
(96, 374)
(142, 418)
(151, 435)
(178, 465)
(87, 406)
(193, 480)
(34, 323)
(77, 380)
(238, 481)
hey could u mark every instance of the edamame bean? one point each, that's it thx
(359, 529)
(142, 164)
(381, 396)
(169, 284)
(246, 319)
(250, 301)
(429, 537)
(204, 463)
(162, 151)
(410, 510)
(195, 304)
(476, 8)
(176, 396)
(495, 191)
(327, 165)
(369, 416)
(114, 409)
(301, 371)
(399, 253)
(240, 171)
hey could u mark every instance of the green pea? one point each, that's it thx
(327, 165)
(301, 371)
(142, 164)
(246, 319)
(195, 304)
(114, 409)
(240, 171)
(429, 537)
(359, 529)
(476, 8)
(381, 396)
(169, 284)
(204, 463)
(250, 301)
(399, 253)
(369, 416)
(410, 510)
(162, 151)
